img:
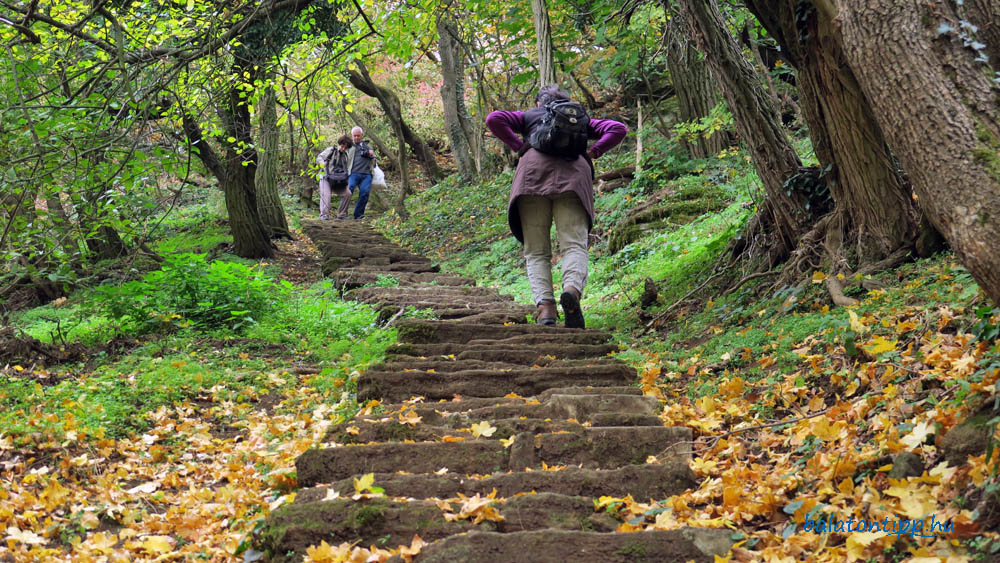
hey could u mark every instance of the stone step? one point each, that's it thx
(470, 403)
(547, 336)
(364, 432)
(435, 427)
(545, 546)
(476, 304)
(351, 278)
(374, 521)
(429, 293)
(397, 386)
(593, 448)
(447, 365)
(418, 331)
(337, 264)
(471, 316)
(523, 354)
(644, 482)
(341, 250)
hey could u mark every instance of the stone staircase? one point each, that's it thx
(553, 397)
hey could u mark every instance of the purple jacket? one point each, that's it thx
(543, 175)
(508, 126)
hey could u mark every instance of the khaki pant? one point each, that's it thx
(324, 200)
(537, 213)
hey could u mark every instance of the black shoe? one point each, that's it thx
(571, 310)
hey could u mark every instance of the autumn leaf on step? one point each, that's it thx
(918, 436)
(410, 417)
(324, 553)
(407, 552)
(364, 483)
(482, 429)
(477, 508)
(507, 442)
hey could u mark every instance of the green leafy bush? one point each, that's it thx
(190, 291)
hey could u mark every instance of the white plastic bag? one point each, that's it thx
(378, 178)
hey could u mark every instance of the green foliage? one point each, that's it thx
(189, 291)
(63, 324)
(719, 119)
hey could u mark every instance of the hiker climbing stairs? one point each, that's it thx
(494, 437)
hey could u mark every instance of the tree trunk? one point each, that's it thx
(202, 149)
(272, 213)
(696, 91)
(985, 15)
(863, 178)
(393, 111)
(543, 40)
(757, 120)
(456, 117)
(404, 174)
(938, 108)
(250, 238)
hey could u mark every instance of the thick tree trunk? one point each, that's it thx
(543, 40)
(461, 133)
(938, 108)
(391, 106)
(250, 238)
(863, 178)
(696, 91)
(272, 213)
(757, 120)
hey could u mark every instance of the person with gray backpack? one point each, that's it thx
(334, 177)
(554, 180)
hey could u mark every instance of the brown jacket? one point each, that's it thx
(543, 175)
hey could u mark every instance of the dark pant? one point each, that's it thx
(364, 184)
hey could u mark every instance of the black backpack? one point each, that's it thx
(562, 131)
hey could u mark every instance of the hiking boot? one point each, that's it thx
(547, 313)
(570, 301)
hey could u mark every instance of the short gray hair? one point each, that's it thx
(356, 128)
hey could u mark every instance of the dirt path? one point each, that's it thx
(494, 439)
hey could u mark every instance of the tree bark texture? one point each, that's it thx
(696, 91)
(864, 180)
(985, 15)
(361, 80)
(939, 110)
(404, 174)
(757, 120)
(250, 238)
(272, 213)
(461, 133)
(202, 149)
(543, 40)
